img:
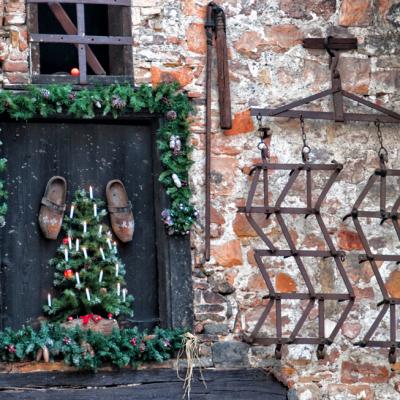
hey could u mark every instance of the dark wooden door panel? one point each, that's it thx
(85, 154)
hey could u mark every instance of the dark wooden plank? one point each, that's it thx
(33, 27)
(73, 39)
(145, 384)
(92, 79)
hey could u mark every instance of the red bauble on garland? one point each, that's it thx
(65, 240)
(68, 274)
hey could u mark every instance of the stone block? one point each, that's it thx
(230, 354)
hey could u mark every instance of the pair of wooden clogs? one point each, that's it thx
(53, 207)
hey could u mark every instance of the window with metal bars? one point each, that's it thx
(91, 37)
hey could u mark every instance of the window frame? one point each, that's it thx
(119, 40)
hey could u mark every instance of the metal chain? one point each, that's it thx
(382, 152)
(263, 131)
(305, 151)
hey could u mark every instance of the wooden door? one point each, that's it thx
(85, 154)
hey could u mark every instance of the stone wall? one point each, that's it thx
(270, 67)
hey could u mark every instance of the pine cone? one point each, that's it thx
(171, 115)
(118, 103)
(103, 290)
(45, 93)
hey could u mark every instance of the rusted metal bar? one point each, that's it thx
(334, 43)
(215, 27)
(70, 28)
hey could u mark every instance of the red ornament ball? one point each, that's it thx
(69, 318)
(75, 72)
(68, 274)
(65, 240)
(109, 316)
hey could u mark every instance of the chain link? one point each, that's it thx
(305, 151)
(382, 152)
(263, 131)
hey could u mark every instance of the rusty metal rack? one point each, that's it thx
(379, 115)
(384, 214)
(260, 176)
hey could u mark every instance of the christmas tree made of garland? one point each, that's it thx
(89, 274)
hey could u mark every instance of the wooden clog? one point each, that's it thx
(120, 209)
(52, 207)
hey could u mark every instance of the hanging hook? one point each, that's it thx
(382, 152)
(306, 149)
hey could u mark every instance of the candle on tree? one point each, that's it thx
(78, 280)
(66, 254)
(116, 269)
(71, 211)
(118, 288)
(84, 226)
(84, 252)
(109, 243)
(115, 247)
(69, 242)
(91, 192)
(49, 299)
(101, 276)
(95, 209)
(100, 229)
(87, 294)
(124, 294)
(102, 254)
(77, 245)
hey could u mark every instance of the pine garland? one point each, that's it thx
(125, 347)
(115, 100)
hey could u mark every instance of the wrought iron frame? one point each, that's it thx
(76, 35)
(384, 214)
(332, 45)
(274, 297)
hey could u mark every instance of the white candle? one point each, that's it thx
(84, 252)
(101, 276)
(118, 288)
(49, 299)
(100, 229)
(115, 247)
(91, 192)
(116, 269)
(71, 211)
(87, 294)
(78, 281)
(77, 245)
(84, 227)
(124, 295)
(102, 254)
(66, 254)
(109, 243)
(70, 242)
(95, 209)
